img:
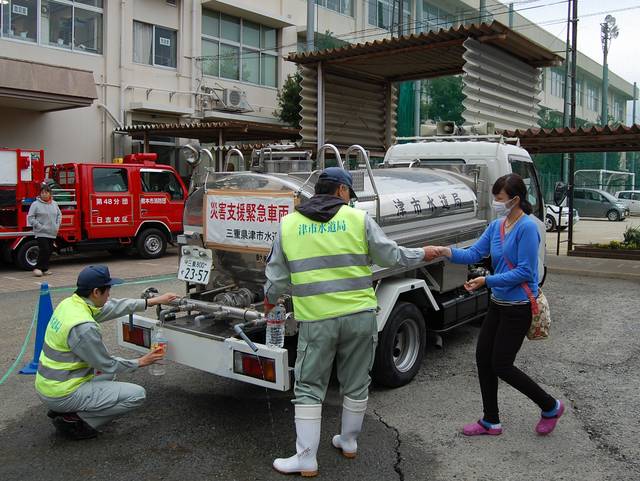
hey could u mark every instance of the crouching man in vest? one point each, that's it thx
(324, 252)
(80, 401)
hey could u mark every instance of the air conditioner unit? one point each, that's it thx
(235, 99)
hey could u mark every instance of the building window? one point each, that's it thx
(580, 92)
(593, 97)
(384, 14)
(435, 18)
(556, 78)
(74, 25)
(238, 49)
(618, 109)
(341, 6)
(154, 45)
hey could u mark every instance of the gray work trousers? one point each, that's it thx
(100, 400)
(351, 340)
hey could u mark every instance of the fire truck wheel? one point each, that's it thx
(26, 257)
(151, 243)
(401, 346)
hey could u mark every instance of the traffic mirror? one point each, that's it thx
(560, 193)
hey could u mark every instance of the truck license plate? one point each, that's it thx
(195, 265)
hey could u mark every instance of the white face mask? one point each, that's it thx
(501, 208)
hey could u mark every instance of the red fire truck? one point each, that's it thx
(136, 204)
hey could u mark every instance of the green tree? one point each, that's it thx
(444, 100)
(327, 40)
(289, 99)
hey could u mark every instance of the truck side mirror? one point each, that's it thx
(560, 193)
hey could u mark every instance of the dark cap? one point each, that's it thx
(339, 176)
(92, 277)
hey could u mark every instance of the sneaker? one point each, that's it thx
(47, 273)
(478, 429)
(546, 425)
(37, 272)
(72, 427)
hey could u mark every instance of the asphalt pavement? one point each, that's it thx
(198, 426)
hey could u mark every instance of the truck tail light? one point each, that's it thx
(140, 336)
(254, 366)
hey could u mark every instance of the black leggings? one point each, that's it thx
(500, 339)
(45, 246)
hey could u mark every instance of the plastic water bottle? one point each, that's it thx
(275, 326)
(158, 341)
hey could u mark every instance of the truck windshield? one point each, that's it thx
(525, 169)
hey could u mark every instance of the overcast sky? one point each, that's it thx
(624, 53)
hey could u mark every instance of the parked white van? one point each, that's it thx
(631, 200)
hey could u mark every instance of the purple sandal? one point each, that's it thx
(547, 425)
(478, 429)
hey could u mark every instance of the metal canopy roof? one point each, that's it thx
(566, 140)
(428, 54)
(230, 130)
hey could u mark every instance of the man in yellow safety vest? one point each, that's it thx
(324, 252)
(76, 373)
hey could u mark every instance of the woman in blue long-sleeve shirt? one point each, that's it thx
(509, 315)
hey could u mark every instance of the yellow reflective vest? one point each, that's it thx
(329, 264)
(60, 371)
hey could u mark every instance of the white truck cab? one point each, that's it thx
(494, 153)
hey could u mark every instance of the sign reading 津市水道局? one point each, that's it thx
(244, 221)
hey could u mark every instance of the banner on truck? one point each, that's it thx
(244, 221)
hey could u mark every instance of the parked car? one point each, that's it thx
(631, 200)
(552, 222)
(598, 203)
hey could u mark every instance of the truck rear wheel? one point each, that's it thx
(401, 346)
(151, 243)
(26, 256)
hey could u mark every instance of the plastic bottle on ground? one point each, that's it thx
(158, 340)
(275, 326)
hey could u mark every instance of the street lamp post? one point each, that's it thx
(608, 31)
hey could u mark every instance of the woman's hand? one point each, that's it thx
(475, 284)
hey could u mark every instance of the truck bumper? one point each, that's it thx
(229, 357)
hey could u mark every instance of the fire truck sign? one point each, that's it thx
(244, 221)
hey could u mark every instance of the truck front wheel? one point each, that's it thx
(151, 243)
(26, 256)
(401, 346)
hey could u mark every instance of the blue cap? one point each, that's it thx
(92, 277)
(339, 176)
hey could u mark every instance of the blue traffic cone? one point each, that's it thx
(45, 310)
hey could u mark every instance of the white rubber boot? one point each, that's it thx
(308, 420)
(352, 417)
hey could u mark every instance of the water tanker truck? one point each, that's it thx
(429, 191)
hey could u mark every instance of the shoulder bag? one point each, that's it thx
(540, 313)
